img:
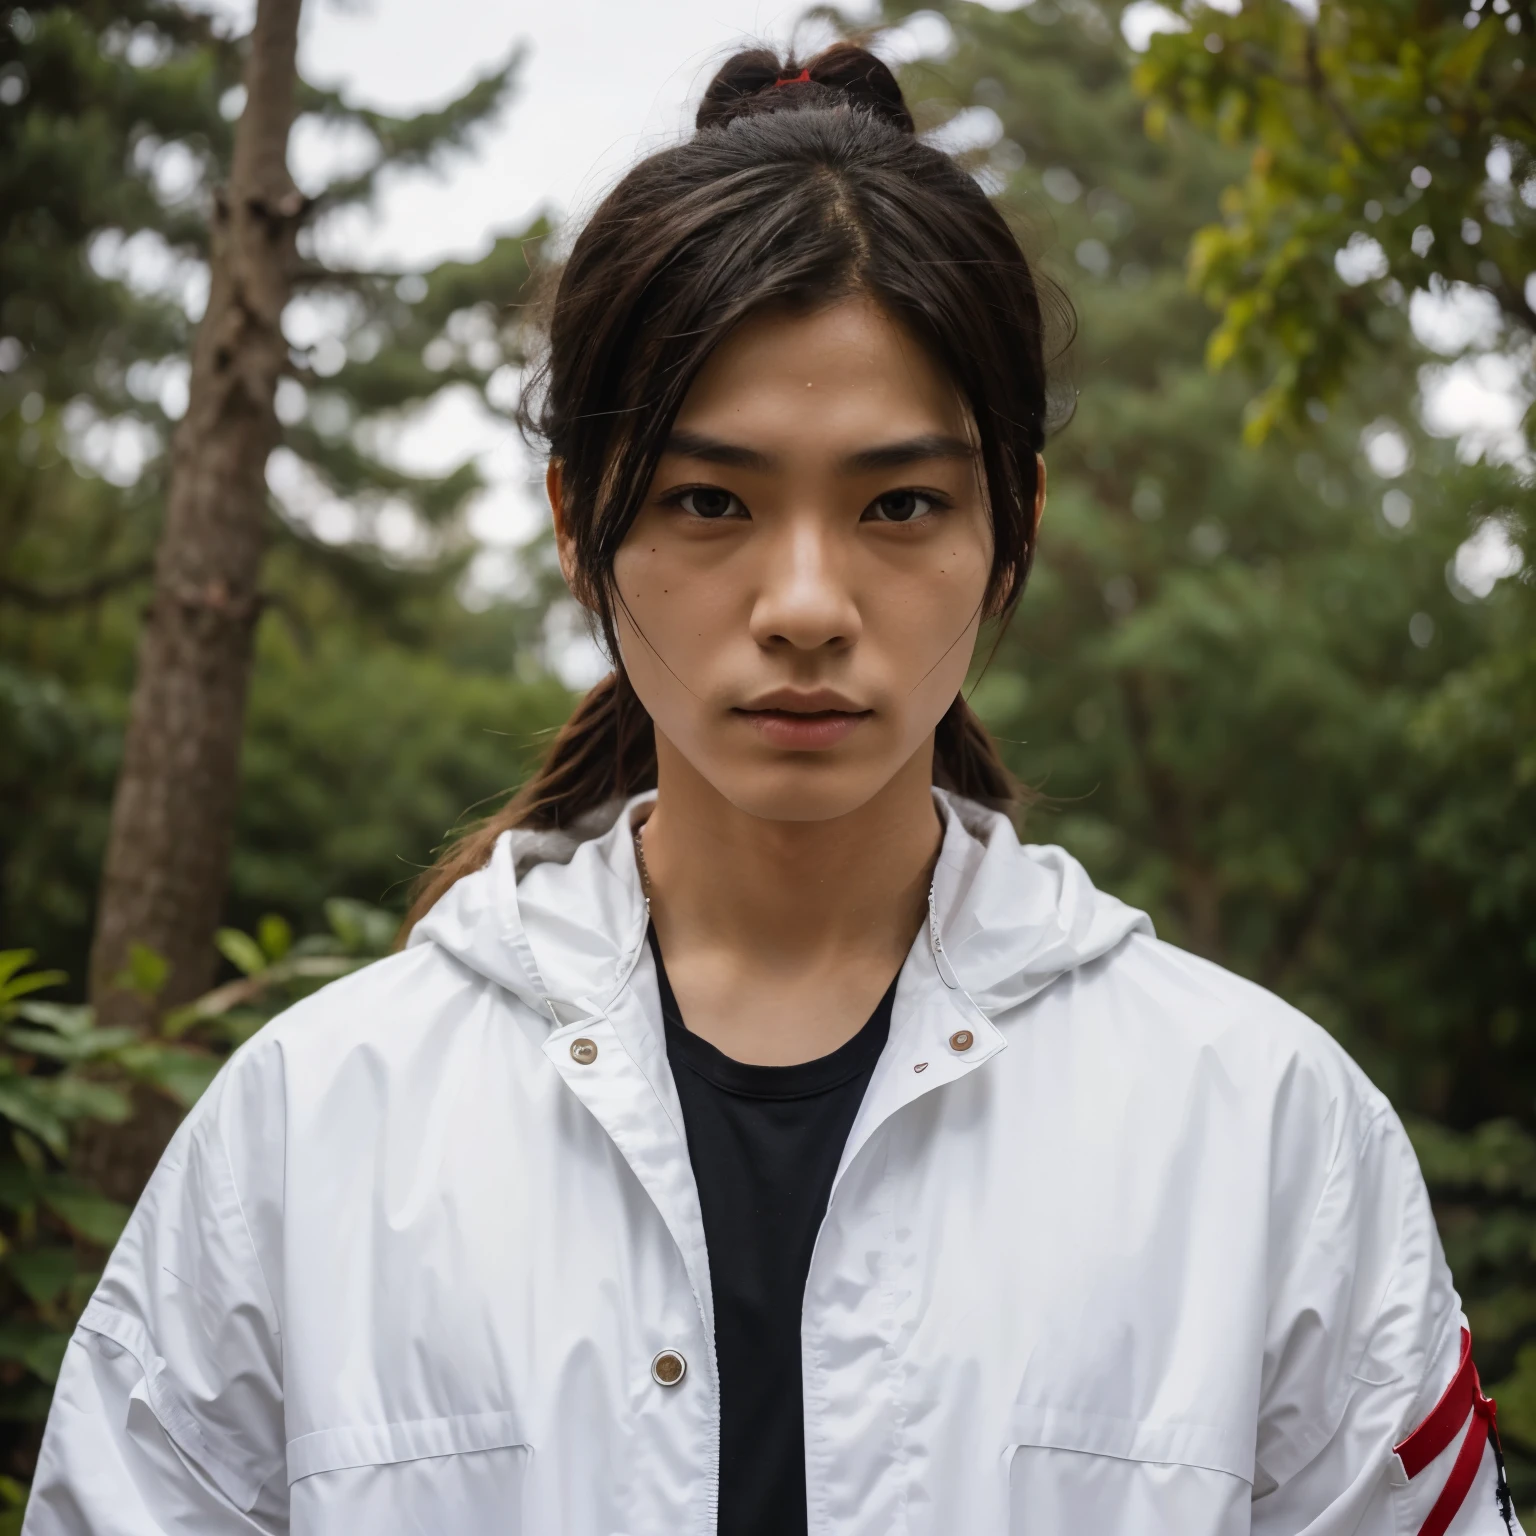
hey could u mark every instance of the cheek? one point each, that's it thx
(672, 615)
(927, 620)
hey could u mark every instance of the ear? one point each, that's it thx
(565, 545)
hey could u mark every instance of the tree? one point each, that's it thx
(1392, 147)
(173, 812)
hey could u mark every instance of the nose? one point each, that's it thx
(804, 600)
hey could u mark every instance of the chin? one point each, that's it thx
(815, 787)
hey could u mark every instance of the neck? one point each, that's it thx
(790, 894)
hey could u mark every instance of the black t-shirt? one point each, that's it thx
(765, 1143)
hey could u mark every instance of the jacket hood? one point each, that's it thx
(559, 918)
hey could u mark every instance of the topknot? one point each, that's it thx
(754, 82)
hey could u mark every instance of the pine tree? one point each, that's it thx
(173, 812)
(119, 132)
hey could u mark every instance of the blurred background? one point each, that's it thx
(1275, 673)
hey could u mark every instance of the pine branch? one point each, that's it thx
(416, 142)
(349, 473)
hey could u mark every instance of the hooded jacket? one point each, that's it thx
(1119, 1244)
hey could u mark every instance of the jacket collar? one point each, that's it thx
(560, 919)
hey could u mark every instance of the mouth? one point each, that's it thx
(804, 722)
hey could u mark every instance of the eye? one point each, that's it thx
(711, 502)
(904, 506)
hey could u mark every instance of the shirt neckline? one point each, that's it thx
(803, 1079)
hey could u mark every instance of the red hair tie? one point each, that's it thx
(803, 78)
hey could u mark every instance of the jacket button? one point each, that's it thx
(668, 1368)
(583, 1052)
(961, 1040)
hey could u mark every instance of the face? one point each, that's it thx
(801, 592)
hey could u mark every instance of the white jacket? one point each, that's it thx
(1149, 1256)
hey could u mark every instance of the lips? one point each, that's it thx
(804, 701)
(804, 722)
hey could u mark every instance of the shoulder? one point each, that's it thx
(390, 1010)
(1198, 1037)
(363, 1046)
(355, 1066)
(1192, 1002)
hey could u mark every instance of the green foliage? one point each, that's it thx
(75, 159)
(56, 1070)
(276, 971)
(360, 757)
(1398, 133)
(146, 972)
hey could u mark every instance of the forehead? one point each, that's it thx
(846, 370)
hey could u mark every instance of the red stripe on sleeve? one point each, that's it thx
(1445, 1419)
(1461, 1402)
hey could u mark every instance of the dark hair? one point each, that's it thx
(800, 185)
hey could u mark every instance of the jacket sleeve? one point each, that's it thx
(1364, 1341)
(168, 1414)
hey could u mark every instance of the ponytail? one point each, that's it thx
(967, 763)
(606, 751)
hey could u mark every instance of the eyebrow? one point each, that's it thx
(911, 450)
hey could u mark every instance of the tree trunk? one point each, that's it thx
(173, 812)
